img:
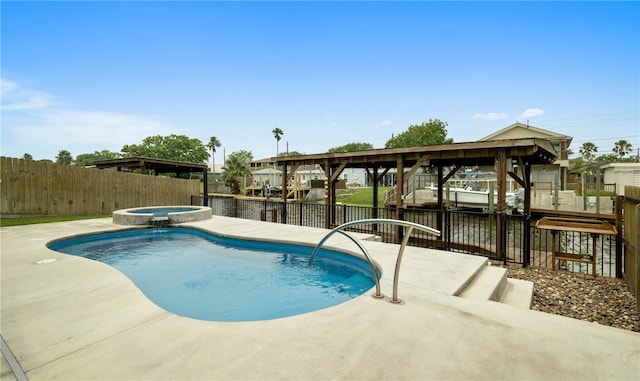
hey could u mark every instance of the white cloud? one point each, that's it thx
(7, 86)
(32, 123)
(15, 97)
(386, 122)
(530, 113)
(491, 116)
(328, 122)
(90, 127)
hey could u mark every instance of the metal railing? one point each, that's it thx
(462, 231)
(378, 221)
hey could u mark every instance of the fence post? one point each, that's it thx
(584, 190)
(344, 213)
(556, 187)
(447, 227)
(503, 238)
(526, 244)
(619, 236)
(284, 209)
(263, 214)
(235, 207)
(598, 185)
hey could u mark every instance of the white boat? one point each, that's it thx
(473, 197)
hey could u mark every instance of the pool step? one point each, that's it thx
(518, 293)
(491, 283)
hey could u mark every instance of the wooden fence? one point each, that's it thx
(631, 239)
(591, 188)
(29, 187)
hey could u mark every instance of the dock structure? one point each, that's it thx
(262, 187)
(513, 158)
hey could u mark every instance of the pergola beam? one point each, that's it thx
(527, 152)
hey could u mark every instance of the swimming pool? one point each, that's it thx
(200, 275)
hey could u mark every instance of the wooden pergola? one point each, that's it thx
(158, 166)
(510, 157)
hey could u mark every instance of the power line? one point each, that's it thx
(602, 117)
(609, 138)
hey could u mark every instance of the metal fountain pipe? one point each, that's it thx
(371, 221)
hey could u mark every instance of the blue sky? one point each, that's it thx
(88, 76)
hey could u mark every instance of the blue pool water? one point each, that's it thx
(203, 276)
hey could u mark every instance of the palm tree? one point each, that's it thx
(587, 150)
(277, 133)
(622, 147)
(212, 145)
(235, 168)
(64, 157)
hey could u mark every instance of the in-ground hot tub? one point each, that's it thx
(170, 214)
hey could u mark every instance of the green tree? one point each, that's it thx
(27, 156)
(89, 158)
(290, 153)
(576, 165)
(432, 132)
(587, 150)
(601, 160)
(235, 168)
(277, 133)
(351, 147)
(622, 147)
(171, 147)
(64, 157)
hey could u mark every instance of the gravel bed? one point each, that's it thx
(606, 301)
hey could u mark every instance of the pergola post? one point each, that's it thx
(374, 181)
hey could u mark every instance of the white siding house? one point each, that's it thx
(552, 173)
(622, 174)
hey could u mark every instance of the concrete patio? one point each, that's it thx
(77, 319)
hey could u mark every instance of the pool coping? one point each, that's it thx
(131, 217)
(46, 322)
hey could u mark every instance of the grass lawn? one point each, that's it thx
(362, 196)
(43, 219)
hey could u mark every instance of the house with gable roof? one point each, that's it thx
(555, 172)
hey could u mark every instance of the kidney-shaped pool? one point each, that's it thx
(200, 275)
